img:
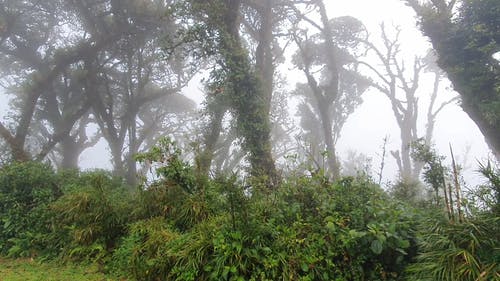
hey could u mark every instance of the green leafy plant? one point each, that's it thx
(26, 190)
(144, 253)
(93, 216)
(166, 157)
(490, 190)
(186, 227)
(458, 251)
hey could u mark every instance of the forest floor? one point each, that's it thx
(32, 270)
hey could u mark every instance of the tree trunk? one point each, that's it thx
(406, 163)
(70, 153)
(332, 89)
(264, 56)
(475, 80)
(211, 137)
(333, 165)
(131, 176)
(248, 99)
(491, 132)
(116, 157)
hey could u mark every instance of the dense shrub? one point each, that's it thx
(488, 194)
(182, 209)
(184, 226)
(26, 190)
(224, 229)
(92, 215)
(144, 253)
(305, 230)
(347, 231)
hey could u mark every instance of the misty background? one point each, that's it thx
(250, 140)
(362, 137)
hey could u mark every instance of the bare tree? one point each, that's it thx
(401, 86)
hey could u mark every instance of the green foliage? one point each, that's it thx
(91, 216)
(305, 230)
(491, 190)
(144, 253)
(173, 203)
(434, 171)
(26, 190)
(186, 227)
(463, 251)
(179, 195)
(170, 166)
(477, 30)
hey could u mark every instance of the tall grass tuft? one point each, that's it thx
(468, 251)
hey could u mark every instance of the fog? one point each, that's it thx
(249, 139)
(362, 134)
(373, 120)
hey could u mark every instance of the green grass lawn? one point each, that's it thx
(28, 270)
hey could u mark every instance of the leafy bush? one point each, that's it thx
(144, 253)
(169, 165)
(186, 227)
(489, 193)
(26, 190)
(305, 230)
(346, 231)
(464, 250)
(93, 214)
(173, 203)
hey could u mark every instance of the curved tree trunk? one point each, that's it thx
(475, 80)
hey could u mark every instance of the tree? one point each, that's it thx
(401, 86)
(37, 59)
(29, 73)
(225, 147)
(107, 71)
(64, 109)
(217, 24)
(260, 24)
(465, 34)
(330, 97)
(66, 153)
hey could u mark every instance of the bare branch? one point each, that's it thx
(457, 98)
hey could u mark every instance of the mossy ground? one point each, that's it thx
(32, 270)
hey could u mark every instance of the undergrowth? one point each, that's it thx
(185, 226)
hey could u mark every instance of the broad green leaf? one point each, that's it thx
(376, 247)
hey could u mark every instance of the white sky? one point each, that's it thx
(373, 120)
